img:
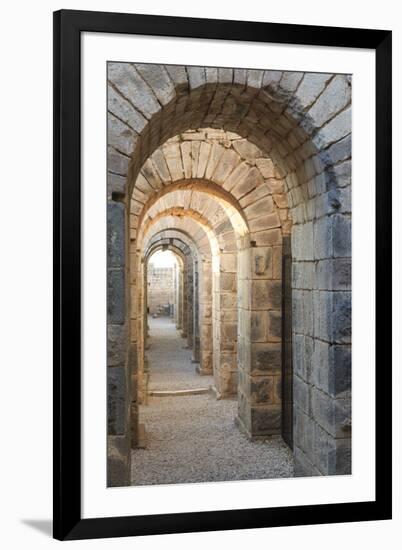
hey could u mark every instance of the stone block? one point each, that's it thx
(274, 326)
(342, 236)
(123, 110)
(340, 457)
(334, 274)
(118, 461)
(262, 390)
(334, 415)
(323, 239)
(261, 262)
(120, 136)
(304, 467)
(265, 420)
(158, 79)
(129, 82)
(259, 329)
(117, 400)
(116, 162)
(340, 376)
(116, 297)
(342, 317)
(266, 359)
(333, 99)
(302, 395)
(196, 77)
(266, 294)
(310, 88)
(267, 238)
(336, 129)
(116, 234)
(117, 345)
(267, 221)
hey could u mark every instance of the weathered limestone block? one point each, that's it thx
(342, 238)
(159, 162)
(267, 238)
(265, 420)
(120, 136)
(123, 110)
(116, 162)
(337, 128)
(245, 185)
(158, 79)
(266, 221)
(173, 161)
(261, 266)
(116, 345)
(196, 77)
(117, 394)
(118, 461)
(151, 175)
(334, 415)
(266, 294)
(226, 165)
(128, 81)
(274, 326)
(334, 98)
(179, 76)
(310, 88)
(259, 326)
(262, 390)
(266, 359)
(116, 306)
(203, 158)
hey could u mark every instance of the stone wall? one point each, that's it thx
(269, 154)
(161, 289)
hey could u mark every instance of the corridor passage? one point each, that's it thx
(193, 438)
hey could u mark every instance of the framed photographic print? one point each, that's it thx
(222, 274)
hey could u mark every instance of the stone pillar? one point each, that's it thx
(118, 361)
(322, 345)
(205, 305)
(190, 301)
(259, 348)
(196, 315)
(225, 325)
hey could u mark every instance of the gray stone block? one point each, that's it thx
(342, 235)
(340, 457)
(265, 421)
(116, 297)
(117, 400)
(340, 378)
(117, 344)
(342, 317)
(116, 234)
(118, 462)
(266, 358)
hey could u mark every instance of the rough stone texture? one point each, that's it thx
(234, 138)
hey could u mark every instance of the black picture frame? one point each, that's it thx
(68, 26)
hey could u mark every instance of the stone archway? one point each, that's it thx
(300, 124)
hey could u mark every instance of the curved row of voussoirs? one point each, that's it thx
(161, 242)
(278, 111)
(243, 187)
(188, 227)
(217, 241)
(180, 240)
(195, 205)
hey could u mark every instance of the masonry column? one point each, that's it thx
(260, 347)
(118, 365)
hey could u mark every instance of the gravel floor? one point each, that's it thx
(194, 438)
(169, 362)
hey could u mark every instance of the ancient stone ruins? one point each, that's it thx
(245, 175)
